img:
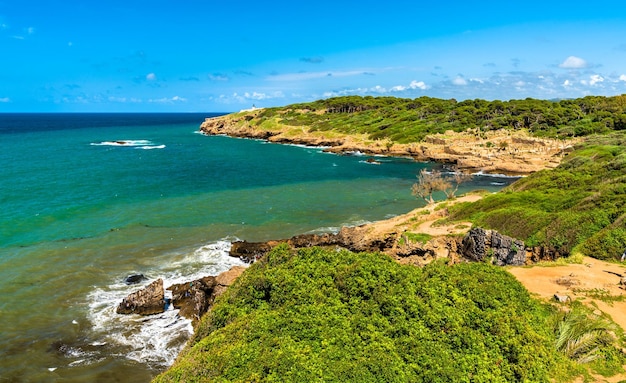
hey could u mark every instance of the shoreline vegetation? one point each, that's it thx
(312, 313)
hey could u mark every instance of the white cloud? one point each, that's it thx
(573, 62)
(30, 30)
(567, 83)
(459, 81)
(594, 79)
(401, 88)
(418, 85)
(622, 77)
(151, 77)
(5, 99)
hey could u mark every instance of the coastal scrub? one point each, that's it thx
(337, 316)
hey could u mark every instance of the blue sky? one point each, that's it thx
(204, 56)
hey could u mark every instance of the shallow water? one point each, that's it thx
(88, 199)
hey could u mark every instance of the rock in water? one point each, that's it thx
(147, 301)
(134, 278)
(193, 298)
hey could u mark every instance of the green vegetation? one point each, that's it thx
(587, 338)
(410, 120)
(578, 207)
(322, 315)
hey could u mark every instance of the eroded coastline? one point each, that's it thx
(506, 152)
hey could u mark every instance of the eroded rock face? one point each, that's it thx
(147, 301)
(474, 244)
(480, 244)
(507, 250)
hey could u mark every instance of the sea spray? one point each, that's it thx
(155, 339)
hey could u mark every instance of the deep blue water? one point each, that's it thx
(88, 198)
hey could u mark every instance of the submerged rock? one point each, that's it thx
(147, 301)
(134, 278)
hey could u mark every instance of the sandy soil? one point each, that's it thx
(577, 281)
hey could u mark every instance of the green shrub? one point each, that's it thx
(322, 315)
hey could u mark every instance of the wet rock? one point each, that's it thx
(147, 301)
(135, 278)
(193, 298)
(249, 251)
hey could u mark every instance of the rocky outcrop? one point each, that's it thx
(420, 254)
(147, 301)
(193, 299)
(484, 245)
(351, 238)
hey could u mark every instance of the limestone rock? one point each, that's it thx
(147, 301)
(561, 298)
(227, 278)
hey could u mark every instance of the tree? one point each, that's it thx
(458, 177)
(428, 183)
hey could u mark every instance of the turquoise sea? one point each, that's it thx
(87, 199)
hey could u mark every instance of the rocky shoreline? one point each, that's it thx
(513, 153)
(392, 237)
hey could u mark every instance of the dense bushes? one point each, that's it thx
(410, 120)
(323, 315)
(579, 205)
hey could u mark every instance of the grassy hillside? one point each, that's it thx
(579, 206)
(322, 315)
(410, 120)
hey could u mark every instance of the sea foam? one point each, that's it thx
(154, 339)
